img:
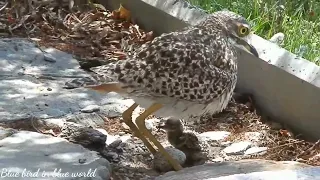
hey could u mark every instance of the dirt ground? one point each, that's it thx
(97, 36)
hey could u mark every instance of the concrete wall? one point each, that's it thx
(285, 86)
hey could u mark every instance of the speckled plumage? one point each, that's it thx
(191, 72)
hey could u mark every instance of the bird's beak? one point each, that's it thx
(243, 44)
(247, 47)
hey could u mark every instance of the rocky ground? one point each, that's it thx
(95, 34)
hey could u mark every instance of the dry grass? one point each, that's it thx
(282, 144)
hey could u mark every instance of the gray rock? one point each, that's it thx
(151, 123)
(256, 150)
(49, 57)
(237, 148)
(85, 136)
(214, 135)
(244, 170)
(90, 108)
(162, 165)
(25, 73)
(116, 106)
(115, 143)
(113, 155)
(31, 151)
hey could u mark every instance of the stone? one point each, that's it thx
(115, 107)
(151, 123)
(125, 126)
(34, 151)
(26, 74)
(225, 143)
(256, 150)
(249, 169)
(112, 155)
(49, 57)
(237, 148)
(162, 165)
(86, 136)
(214, 135)
(115, 143)
(90, 108)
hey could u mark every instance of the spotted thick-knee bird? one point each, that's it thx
(192, 71)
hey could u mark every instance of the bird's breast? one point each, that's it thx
(184, 109)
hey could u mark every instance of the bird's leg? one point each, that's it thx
(140, 121)
(127, 118)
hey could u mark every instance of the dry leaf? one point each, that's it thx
(121, 13)
(285, 133)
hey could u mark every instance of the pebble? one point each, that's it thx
(218, 159)
(90, 109)
(225, 143)
(49, 57)
(114, 110)
(125, 126)
(214, 135)
(237, 148)
(162, 165)
(256, 150)
(115, 143)
(150, 123)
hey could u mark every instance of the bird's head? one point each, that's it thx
(171, 125)
(234, 26)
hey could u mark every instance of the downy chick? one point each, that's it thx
(186, 142)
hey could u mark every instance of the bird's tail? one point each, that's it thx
(96, 82)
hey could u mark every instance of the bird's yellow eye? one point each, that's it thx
(243, 31)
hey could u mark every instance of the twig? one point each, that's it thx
(314, 146)
(4, 6)
(287, 144)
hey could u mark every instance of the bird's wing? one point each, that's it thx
(183, 65)
(191, 141)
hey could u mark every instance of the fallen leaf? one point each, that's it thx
(285, 133)
(121, 13)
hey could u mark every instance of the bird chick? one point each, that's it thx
(186, 142)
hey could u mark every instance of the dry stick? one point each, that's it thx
(309, 150)
(4, 6)
(287, 144)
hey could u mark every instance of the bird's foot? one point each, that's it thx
(127, 118)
